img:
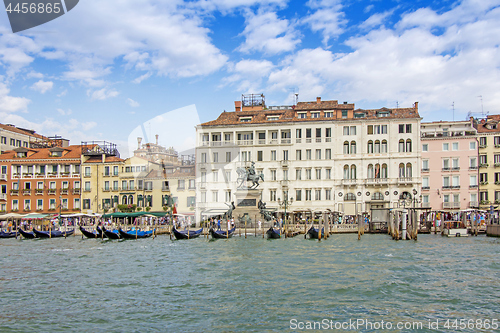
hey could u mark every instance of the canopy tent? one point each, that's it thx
(11, 216)
(134, 214)
(35, 216)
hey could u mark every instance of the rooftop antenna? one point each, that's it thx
(397, 104)
(453, 107)
(482, 110)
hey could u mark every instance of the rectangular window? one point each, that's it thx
(455, 164)
(482, 142)
(215, 196)
(285, 174)
(273, 174)
(328, 173)
(446, 146)
(115, 170)
(308, 133)
(425, 147)
(455, 181)
(446, 164)
(408, 128)
(203, 157)
(352, 130)
(181, 183)
(216, 157)
(259, 155)
(401, 128)
(106, 185)
(425, 182)
(318, 132)
(473, 180)
(272, 195)
(454, 146)
(315, 114)
(483, 160)
(384, 129)
(328, 154)
(328, 132)
(346, 130)
(228, 156)
(425, 165)
(318, 173)
(308, 174)
(298, 155)
(473, 163)
(308, 154)
(483, 178)
(298, 133)
(215, 175)
(273, 155)
(370, 129)
(344, 114)
(308, 195)
(298, 174)
(318, 154)
(472, 145)
(87, 171)
(328, 194)
(446, 182)
(317, 195)
(285, 155)
(298, 195)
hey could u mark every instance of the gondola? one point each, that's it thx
(53, 233)
(7, 234)
(91, 234)
(221, 233)
(314, 232)
(290, 234)
(186, 234)
(273, 233)
(111, 234)
(132, 234)
(27, 234)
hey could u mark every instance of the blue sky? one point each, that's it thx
(106, 67)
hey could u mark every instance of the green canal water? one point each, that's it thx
(249, 285)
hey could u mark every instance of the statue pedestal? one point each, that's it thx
(247, 204)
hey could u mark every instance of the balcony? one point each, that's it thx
(446, 187)
(455, 169)
(318, 140)
(406, 180)
(426, 204)
(482, 145)
(261, 141)
(451, 205)
(349, 182)
(76, 190)
(298, 140)
(455, 187)
(308, 140)
(284, 163)
(473, 167)
(426, 188)
(51, 191)
(3, 196)
(167, 188)
(245, 142)
(27, 175)
(328, 139)
(27, 191)
(445, 169)
(3, 176)
(14, 192)
(216, 143)
(473, 204)
(286, 141)
(483, 165)
(284, 183)
(377, 181)
(425, 170)
(473, 186)
(87, 175)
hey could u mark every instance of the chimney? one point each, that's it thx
(237, 106)
(156, 139)
(416, 106)
(103, 158)
(318, 100)
(139, 140)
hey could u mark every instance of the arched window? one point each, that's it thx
(405, 195)
(346, 147)
(370, 147)
(401, 146)
(124, 200)
(408, 146)
(353, 147)
(346, 171)
(131, 199)
(353, 171)
(383, 148)
(377, 170)
(376, 147)
(377, 196)
(370, 171)
(401, 170)
(383, 174)
(350, 197)
(408, 170)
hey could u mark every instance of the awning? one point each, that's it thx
(11, 216)
(34, 216)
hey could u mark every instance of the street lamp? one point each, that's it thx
(285, 203)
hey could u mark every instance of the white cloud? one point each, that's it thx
(265, 32)
(9, 103)
(376, 20)
(141, 78)
(42, 86)
(248, 74)
(102, 94)
(34, 75)
(63, 93)
(132, 103)
(64, 112)
(328, 18)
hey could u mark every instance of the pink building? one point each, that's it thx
(449, 165)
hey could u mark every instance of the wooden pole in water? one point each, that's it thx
(255, 225)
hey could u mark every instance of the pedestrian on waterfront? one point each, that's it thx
(260, 224)
(218, 224)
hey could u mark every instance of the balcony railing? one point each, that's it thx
(245, 142)
(261, 142)
(216, 143)
(165, 188)
(425, 169)
(298, 140)
(284, 163)
(328, 139)
(405, 180)
(27, 191)
(286, 141)
(473, 167)
(451, 205)
(455, 169)
(473, 186)
(349, 182)
(426, 204)
(76, 190)
(424, 188)
(377, 181)
(3, 176)
(446, 169)
(3, 196)
(51, 191)
(473, 204)
(318, 140)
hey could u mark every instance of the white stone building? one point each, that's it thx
(324, 155)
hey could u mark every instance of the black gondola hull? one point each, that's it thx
(53, 234)
(110, 234)
(26, 234)
(273, 234)
(186, 234)
(131, 235)
(7, 234)
(220, 234)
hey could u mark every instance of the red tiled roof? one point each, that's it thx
(108, 159)
(22, 131)
(70, 152)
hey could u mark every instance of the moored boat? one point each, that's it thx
(27, 234)
(91, 234)
(111, 234)
(221, 233)
(186, 234)
(454, 229)
(273, 233)
(135, 234)
(314, 232)
(53, 233)
(7, 234)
